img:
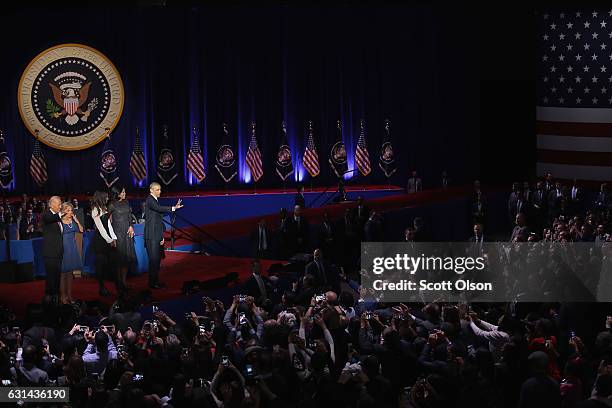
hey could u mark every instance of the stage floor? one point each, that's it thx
(177, 268)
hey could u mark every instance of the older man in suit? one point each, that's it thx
(415, 183)
(520, 231)
(154, 232)
(53, 246)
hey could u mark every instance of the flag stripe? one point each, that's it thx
(574, 143)
(580, 158)
(577, 115)
(574, 129)
(569, 172)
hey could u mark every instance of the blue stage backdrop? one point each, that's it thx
(205, 65)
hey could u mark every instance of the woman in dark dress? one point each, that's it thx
(122, 221)
(104, 242)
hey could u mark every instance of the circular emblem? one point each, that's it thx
(338, 153)
(70, 97)
(5, 165)
(109, 163)
(166, 160)
(283, 158)
(225, 156)
(386, 153)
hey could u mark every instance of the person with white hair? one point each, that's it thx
(53, 246)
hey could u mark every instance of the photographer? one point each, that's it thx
(28, 374)
(100, 350)
(247, 323)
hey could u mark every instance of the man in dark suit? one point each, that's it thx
(520, 205)
(257, 286)
(27, 226)
(154, 232)
(414, 184)
(326, 237)
(321, 270)
(299, 197)
(362, 213)
(373, 229)
(520, 231)
(53, 246)
(575, 195)
(555, 198)
(300, 231)
(261, 241)
(602, 202)
(476, 241)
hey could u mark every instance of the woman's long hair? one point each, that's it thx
(116, 189)
(99, 201)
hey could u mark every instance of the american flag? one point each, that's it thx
(362, 157)
(195, 161)
(138, 165)
(253, 157)
(38, 166)
(311, 158)
(574, 94)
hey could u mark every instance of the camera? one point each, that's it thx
(138, 377)
(6, 383)
(249, 371)
(155, 308)
(242, 298)
(312, 344)
(202, 329)
(82, 329)
(16, 330)
(242, 318)
(319, 298)
(225, 361)
(368, 315)
(120, 348)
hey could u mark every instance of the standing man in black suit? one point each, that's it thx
(299, 196)
(261, 241)
(321, 270)
(300, 231)
(154, 232)
(53, 246)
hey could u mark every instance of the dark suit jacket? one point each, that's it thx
(520, 232)
(53, 243)
(255, 241)
(313, 269)
(252, 288)
(300, 200)
(303, 231)
(154, 224)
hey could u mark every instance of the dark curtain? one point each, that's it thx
(205, 65)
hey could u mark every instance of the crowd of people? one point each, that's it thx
(315, 339)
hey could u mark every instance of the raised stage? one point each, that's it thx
(445, 211)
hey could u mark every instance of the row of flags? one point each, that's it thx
(225, 162)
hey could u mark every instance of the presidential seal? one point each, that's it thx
(225, 156)
(70, 97)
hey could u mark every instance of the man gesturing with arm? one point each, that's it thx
(154, 232)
